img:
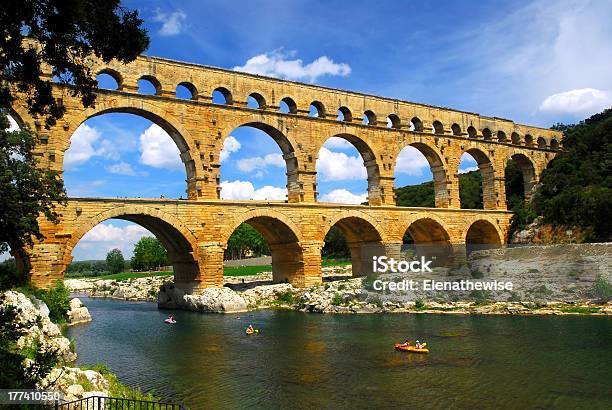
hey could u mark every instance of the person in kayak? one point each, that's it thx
(250, 329)
(418, 345)
(406, 343)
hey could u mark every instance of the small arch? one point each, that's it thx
(288, 106)
(344, 114)
(471, 131)
(487, 134)
(109, 79)
(393, 121)
(369, 118)
(316, 109)
(149, 85)
(528, 140)
(416, 124)
(515, 138)
(437, 127)
(256, 101)
(222, 95)
(501, 136)
(554, 144)
(187, 91)
(456, 128)
(427, 237)
(541, 142)
(481, 235)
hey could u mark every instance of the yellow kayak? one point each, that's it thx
(408, 348)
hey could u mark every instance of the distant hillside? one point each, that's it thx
(422, 195)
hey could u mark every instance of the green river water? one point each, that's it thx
(347, 361)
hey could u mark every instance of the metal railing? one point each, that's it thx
(113, 403)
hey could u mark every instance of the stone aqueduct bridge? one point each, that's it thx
(195, 231)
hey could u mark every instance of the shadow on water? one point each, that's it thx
(345, 361)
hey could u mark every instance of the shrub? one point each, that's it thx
(376, 300)
(336, 300)
(285, 297)
(57, 300)
(476, 274)
(603, 289)
(419, 304)
(481, 297)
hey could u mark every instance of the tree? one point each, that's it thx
(246, 238)
(61, 35)
(576, 187)
(149, 254)
(115, 262)
(335, 244)
(422, 195)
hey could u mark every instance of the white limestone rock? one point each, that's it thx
(214, 300)
(78, 312)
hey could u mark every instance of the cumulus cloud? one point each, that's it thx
(410, 161)
(172, 23)
(82, 146)
(230, 145)
(338, 166)
(278, 63)
(245, 190)
(467, 164)
(96, 243)
(122, 168)
(260, 163)
(579, 101)
(337, 143)
(342, 196)
(465, 170)
(158, 150)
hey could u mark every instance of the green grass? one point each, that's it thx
(583, 310)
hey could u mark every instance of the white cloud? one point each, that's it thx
(253, 163)
(337, 166)
(158, 150)
(410, 161)
(465, 170)
(122, 168)
(230, 145)
(13, 126)
(277, 63)
(82, 146)
(342, 196)
(246, 190)
(579, 101)
(338, 143)
(172, 23)
(96, 243)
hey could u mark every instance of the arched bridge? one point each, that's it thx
(195, 231)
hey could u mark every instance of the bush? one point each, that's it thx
(285, 297)
(376, 300)
(57, 300)
(603, 290)
(336, 300)
(419, 304)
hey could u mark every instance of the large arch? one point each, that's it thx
(364, 238)
(438, 172)
(482, 234)
(527, 168)
(487, 172)
(369, 161)
(429, 238)
(283, 238)
(160, 117)
(178, 240)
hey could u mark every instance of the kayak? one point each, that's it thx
(413, 349)
(250, 332)
(170, 321)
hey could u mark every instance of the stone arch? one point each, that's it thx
(438, 170)
(541, 142)
(527, 167)
(283, 140)
(19, 115)
(430, 239)
(319, 107)
(226, 93)
(369, 161)
(528, 140)
(416, 124)
(515, 138)
(456, 128)
(437, 127)
(471, 132)
(284, 239)
(178, 240)
(291, 105)
(554, 144)
(369, 118)
(347, 116)
(487, 171)
(487, 134)
(364, 238)
(394, 121)
(154, 81)
(190, 87)
(114, 74)
(153, 113)
(482, 234)
(501, 136)
(259, 99)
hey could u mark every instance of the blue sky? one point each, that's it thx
(535, 62)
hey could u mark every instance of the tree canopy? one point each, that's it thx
(246, 239)
(115, 262)
(149, 254)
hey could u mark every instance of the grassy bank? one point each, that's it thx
(227, 271)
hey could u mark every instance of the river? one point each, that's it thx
(347, 361)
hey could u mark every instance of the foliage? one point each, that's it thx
(419, 304)
(9, 275)
(114, 261)
(470, 190)
(57, 300)
(368, 281)
(603, 289)
(335, 244)
(149, 254)
(336, 300)
(117, 389)
(14, 374)
(86, 268)
(422, 195)
(285, 297)
(576, 187)
(62, 35)
(246, 239)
